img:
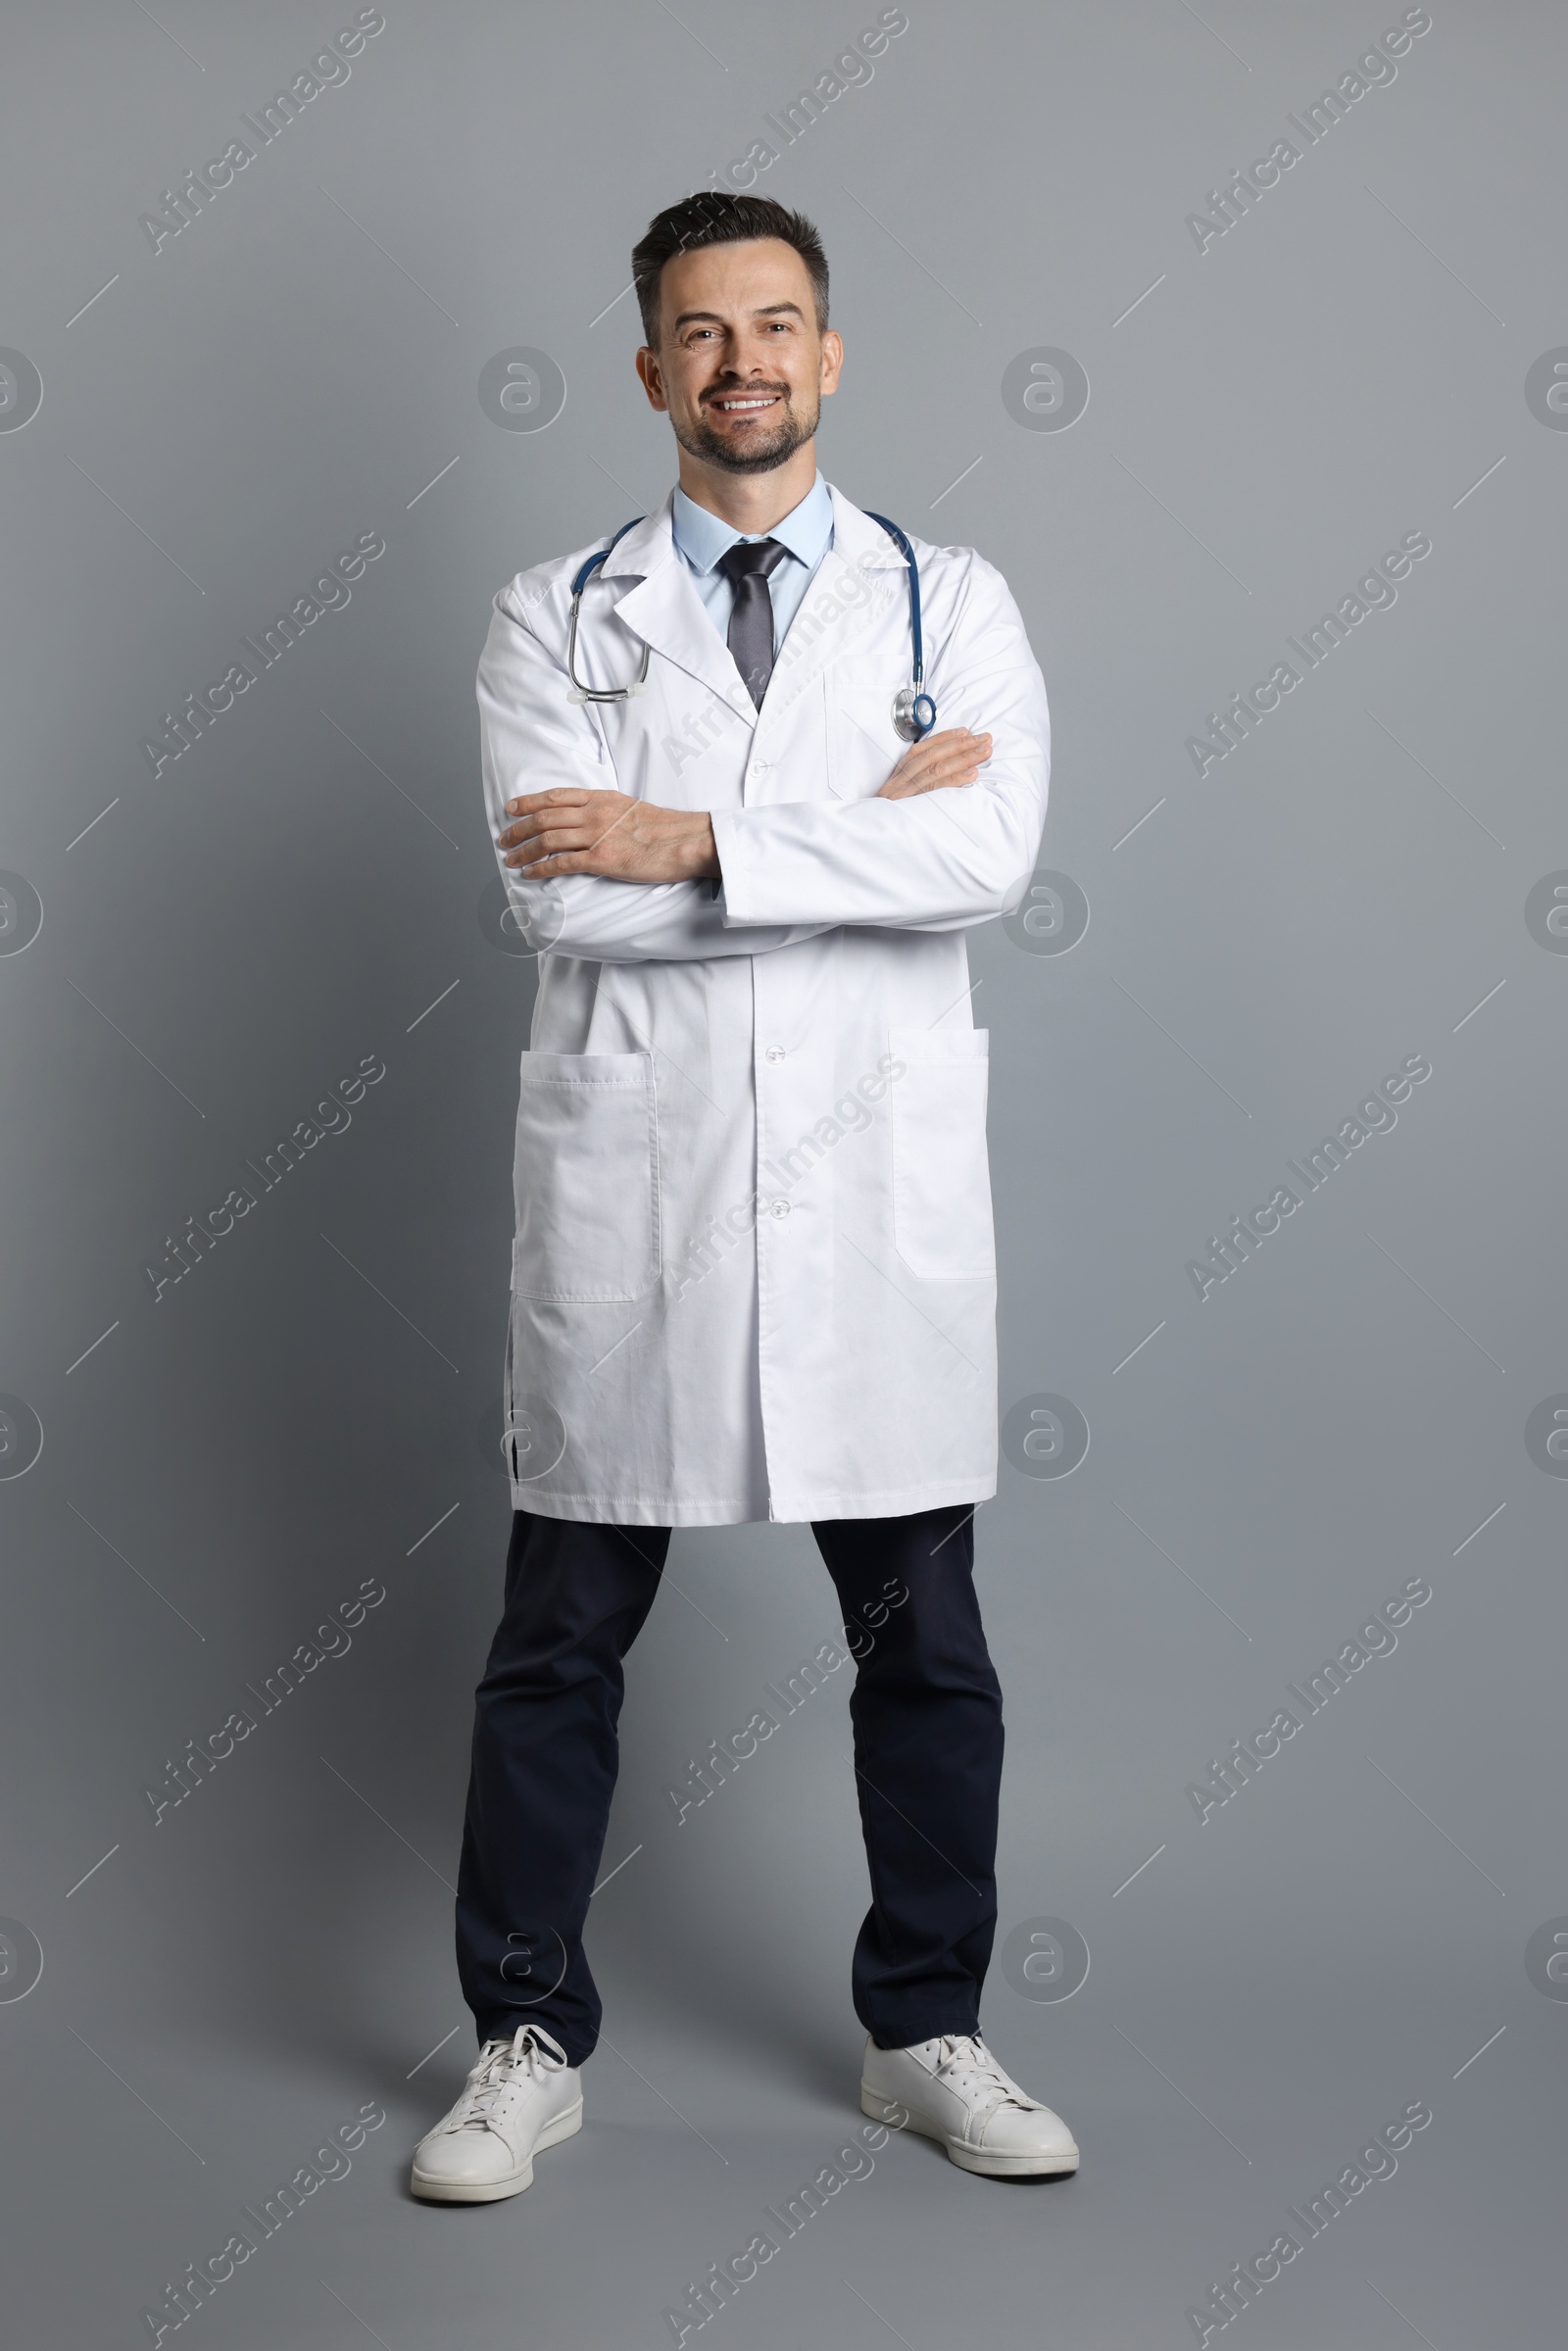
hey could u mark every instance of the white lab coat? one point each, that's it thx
(753, 1273)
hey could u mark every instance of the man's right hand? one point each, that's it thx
(954, 757)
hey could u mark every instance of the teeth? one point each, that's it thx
(736, 405)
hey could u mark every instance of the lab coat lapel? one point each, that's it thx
(664, 610)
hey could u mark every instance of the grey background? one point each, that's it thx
(221, 1991)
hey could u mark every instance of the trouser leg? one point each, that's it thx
(926, 1713)
(545, 1759)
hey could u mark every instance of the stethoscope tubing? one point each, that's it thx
(923, 720)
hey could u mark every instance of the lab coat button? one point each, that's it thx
(781, 1207)
(775, 1053)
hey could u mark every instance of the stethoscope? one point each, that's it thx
(915, 714)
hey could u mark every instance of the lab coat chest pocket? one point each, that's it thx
(585, 1179)
(941, 1223)
(863, 749)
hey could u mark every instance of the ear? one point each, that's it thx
(651, 376)
(832, 362)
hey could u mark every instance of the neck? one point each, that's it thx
(749, 502)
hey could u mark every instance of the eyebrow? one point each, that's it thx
(772, 309)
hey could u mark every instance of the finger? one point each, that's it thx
(953, 738)
(946, 769)
(546, 810)
(531, 828)
(577, 820)
(560, 840)
(551, 868)
(957, 746)
(960, 744)
(947, 762)
(559, 796)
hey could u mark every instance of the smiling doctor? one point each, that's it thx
(752, 1274)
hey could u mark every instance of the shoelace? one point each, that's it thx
(965, 2065)
(530, 2053)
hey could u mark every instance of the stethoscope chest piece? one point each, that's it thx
(914, 715)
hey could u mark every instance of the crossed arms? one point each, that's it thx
(950, 835)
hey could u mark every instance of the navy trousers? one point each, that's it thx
(926, 1714)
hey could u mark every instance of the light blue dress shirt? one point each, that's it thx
(700, 537)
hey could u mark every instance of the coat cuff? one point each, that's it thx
(736, 889)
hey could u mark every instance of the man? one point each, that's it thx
(753, 1273)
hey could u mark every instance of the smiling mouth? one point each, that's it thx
(744, 404)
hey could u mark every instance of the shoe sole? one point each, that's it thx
(970, 2159)
(491, 2191)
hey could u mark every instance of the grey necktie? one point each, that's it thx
(747, 566)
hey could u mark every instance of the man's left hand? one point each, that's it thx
(571, 830)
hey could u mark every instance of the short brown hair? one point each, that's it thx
(712, 217)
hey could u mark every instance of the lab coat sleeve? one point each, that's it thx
(532, 738)
(942, 861)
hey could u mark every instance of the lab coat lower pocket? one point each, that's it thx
(585, 1179)
(942, 1225)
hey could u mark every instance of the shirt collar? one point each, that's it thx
(702, 537)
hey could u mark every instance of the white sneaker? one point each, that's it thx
(952, 2089)
(521, 2095)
